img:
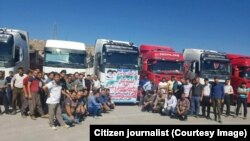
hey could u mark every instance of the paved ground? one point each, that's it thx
(15, 128)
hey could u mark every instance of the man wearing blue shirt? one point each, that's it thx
(103, 99)
(217, 96)
(94, 108)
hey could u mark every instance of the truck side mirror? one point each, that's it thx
(193, 66)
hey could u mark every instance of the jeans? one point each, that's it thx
(95, 111)
(227, 101)
(8, 98)
(68, 120)
(3, 95)
(169, 112)
(195, 105)
(244, 102)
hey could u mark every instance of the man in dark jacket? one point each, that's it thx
(217, 96)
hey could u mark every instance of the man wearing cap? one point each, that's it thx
(217, 96)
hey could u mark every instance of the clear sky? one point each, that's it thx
(222, 25)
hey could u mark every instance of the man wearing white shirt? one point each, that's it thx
(187, 87)
(163, 85)
(54, 90)
(17, 87)
(96, 84)
(228, 89)
(206, 100)
(170, 104)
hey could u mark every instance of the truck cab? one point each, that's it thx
(64, 55)
(159, 62)
(240, 72)
(116, 64)
(14, 46)
(206, 64)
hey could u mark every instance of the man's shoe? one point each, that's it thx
(244, 118)
(99, 115)
(6, 112)
(13, 113)
(23, 116)
(220, 121)
(96, 117)
(53, 128)
(33, 117)
(45, 116)
(66, 126)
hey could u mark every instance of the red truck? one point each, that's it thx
(241, 72)
(160, 61)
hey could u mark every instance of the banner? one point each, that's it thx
(123, 84)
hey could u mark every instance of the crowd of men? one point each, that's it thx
(66, 99)
(185, 98)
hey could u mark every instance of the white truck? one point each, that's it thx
(116, 64)
(206, 64)
(64, 55)
(14, 50)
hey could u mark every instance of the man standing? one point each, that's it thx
(88, 83)
(195, 96)
(217, 96)
(163, 85)
(17, 87)
(3, 90)
(96, 84)
(187, 87)
(9, 90)
(171, 84)
(206, 99)
(242, 99)
(227, 97)
(54, 90)
(26, 97)
(34, 96)
(79, 83)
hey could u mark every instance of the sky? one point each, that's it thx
(222, 25)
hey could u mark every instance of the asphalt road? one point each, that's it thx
(15, 128)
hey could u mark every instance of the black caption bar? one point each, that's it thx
(173, 132)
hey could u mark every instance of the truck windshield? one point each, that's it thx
(121, 59)
(163, 66)
(65, 58)
(217, 67)
(6, 46)
(244, 72)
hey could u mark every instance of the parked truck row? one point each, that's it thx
(120, 64)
